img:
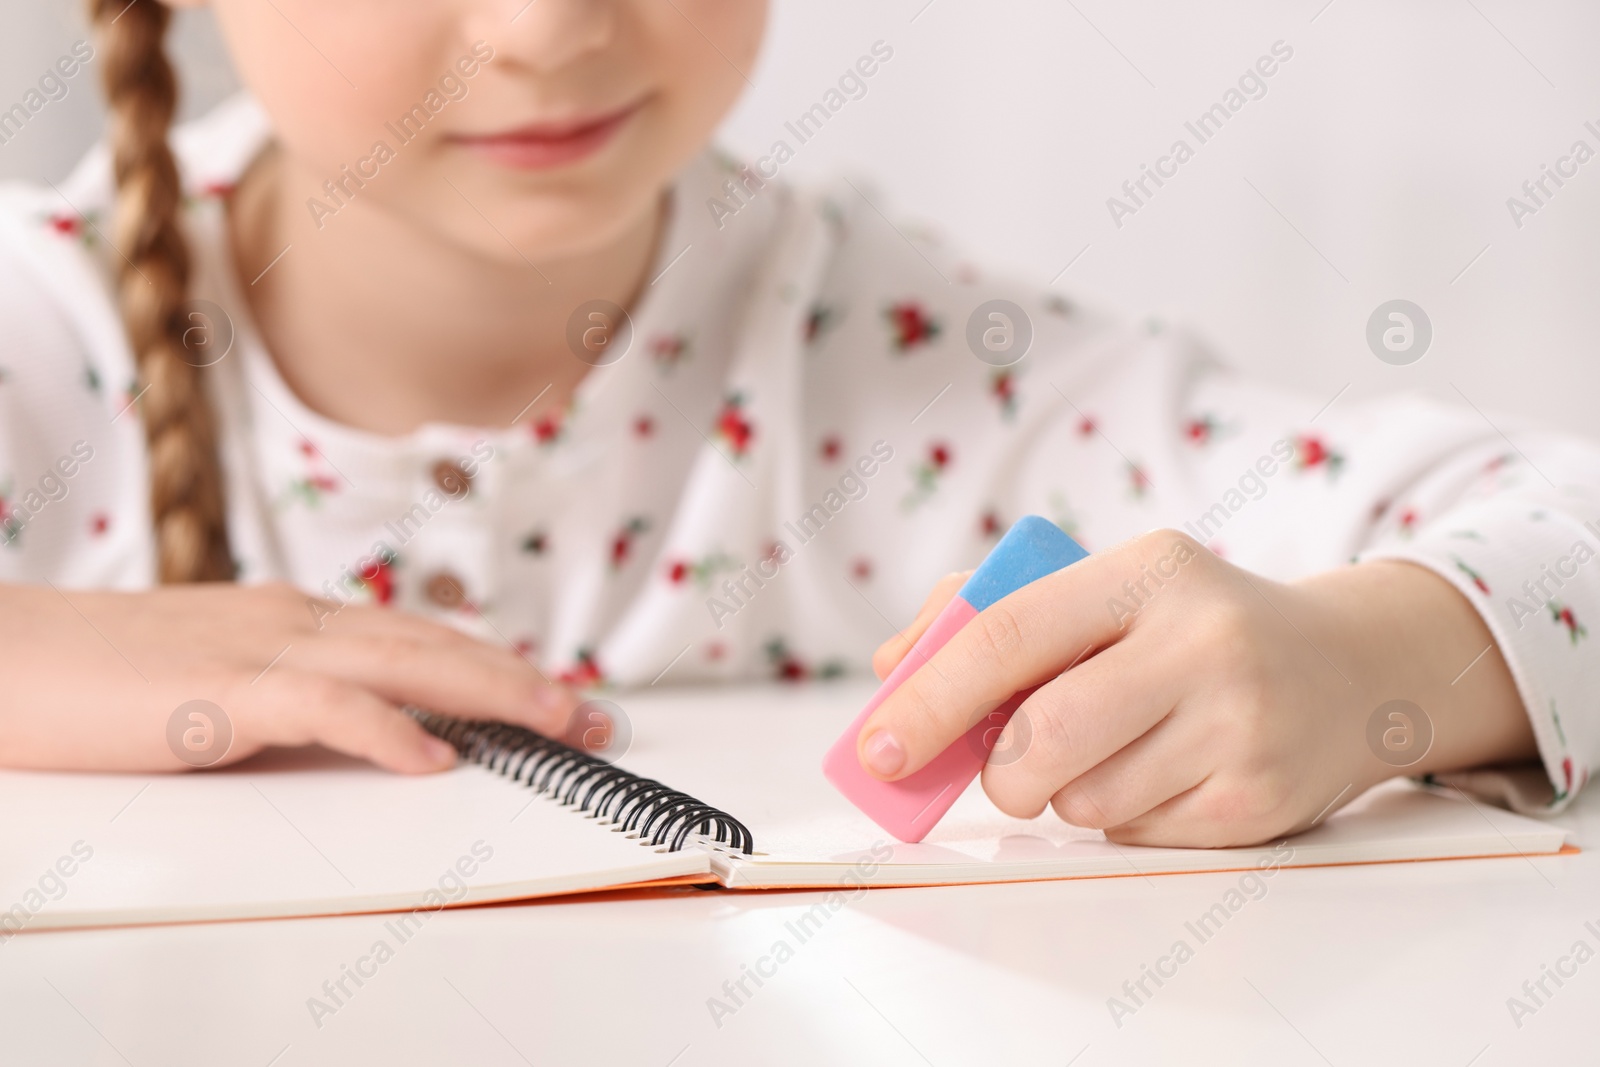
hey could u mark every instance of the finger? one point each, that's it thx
(1164, 762)
(1013, 645)
(1073, 724)
(308, 708)
(453, 675)
(892, 651)
(367, 620)
(1217, 813)
(386, 623)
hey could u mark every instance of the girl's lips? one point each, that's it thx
(543, 145)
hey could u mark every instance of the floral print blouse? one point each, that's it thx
(817, 414)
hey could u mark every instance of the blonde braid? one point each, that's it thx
(186, 492)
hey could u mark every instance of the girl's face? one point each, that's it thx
(529, 129)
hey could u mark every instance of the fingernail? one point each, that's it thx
(884, 753)
(551, 698)
(441, 753)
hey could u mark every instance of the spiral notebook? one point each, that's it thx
(718, 787)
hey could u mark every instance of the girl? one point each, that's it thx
(329, 403)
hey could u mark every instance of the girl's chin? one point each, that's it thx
(538, 228)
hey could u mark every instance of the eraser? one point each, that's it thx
(911, 807)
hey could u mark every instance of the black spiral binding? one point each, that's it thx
(576, 779)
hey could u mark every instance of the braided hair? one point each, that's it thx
(186, 487)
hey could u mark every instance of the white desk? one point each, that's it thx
(1403, 964)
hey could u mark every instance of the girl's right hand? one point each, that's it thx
(93, 678)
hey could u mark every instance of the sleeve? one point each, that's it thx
(1288, 484)
(1513, 522)
(1111, 430)
(70, 483)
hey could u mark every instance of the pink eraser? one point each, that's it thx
(912, 806)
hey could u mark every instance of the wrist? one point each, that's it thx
(1400, 632)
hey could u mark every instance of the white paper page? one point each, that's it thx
(294, 833)
(756, 753)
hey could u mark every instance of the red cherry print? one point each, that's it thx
(733, 427)
(378, 576)
(668, 348)
(1313, 453)
(585, 672)
(1138, 480)
(785, 666)
(912, 326)
(622, 543)
(816, 321)
(1005, 388)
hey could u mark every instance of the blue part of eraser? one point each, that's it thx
(1031, 549)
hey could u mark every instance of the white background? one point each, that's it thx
(1377, 166)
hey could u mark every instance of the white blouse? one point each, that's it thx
(805, 430)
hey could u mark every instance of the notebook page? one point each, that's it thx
(294, 833)
(755, 753)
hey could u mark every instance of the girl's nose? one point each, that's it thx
(547, 35)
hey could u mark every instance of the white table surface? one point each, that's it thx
(1405, 964)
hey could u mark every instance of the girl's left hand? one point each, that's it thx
(1184, 701)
